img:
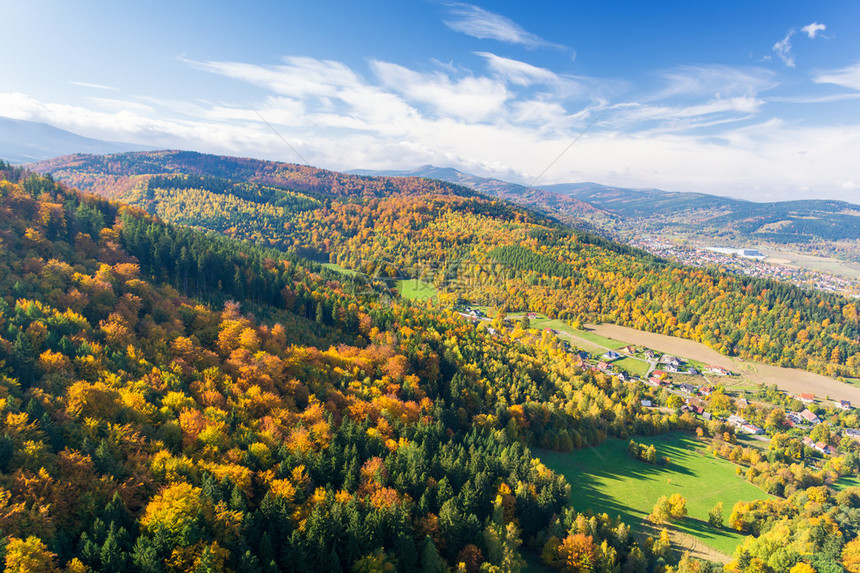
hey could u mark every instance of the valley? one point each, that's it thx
(387, 350)
(610, 324)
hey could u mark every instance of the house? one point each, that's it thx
(751, 429)
(661, 374)
(822, 447)
(852, 433)
(686, 388)
(649, 354)
(647, 403)
(741, 403)
(807, 441)
(806, 398)
(603, 366)
(717, 370)
(695, 402)
(583, 355)
(810, 417)
(693, 371)
(706, 415)
(705, 390)
(611, 355)
(671, 368)
(736, 421)
(844, 404)
(631, 350)
(652, 381)
(795, 417)
(671, 360)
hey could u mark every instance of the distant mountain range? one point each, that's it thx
(624, 213)
(827, 227)
(565, 207)
(23, 141)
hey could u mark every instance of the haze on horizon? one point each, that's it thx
(752, 101)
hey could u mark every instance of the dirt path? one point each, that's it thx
(683, 541)
(787, 379)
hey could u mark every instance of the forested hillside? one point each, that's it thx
(172, 400)
(479, 250)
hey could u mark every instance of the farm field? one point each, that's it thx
(633, 366)
(607, 479)
(846, 269)
(415, 289)
(752, 373)
(338, 268)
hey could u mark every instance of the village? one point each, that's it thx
(752, 265)
(691, 384)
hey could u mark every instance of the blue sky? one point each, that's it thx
(759, 100)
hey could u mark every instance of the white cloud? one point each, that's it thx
(518, 72)
(131, 126)
(298, 77)
(848, 77)
(475, 98)
(95, 86)
(813, 29)
(702, 132)
(715, 81)
(783, 49)
(479, 23)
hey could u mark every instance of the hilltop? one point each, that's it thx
(23, 141)
(824, 227)
(473, 248)
(175, 397)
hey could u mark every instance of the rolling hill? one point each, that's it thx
(474, 249)
(828, 227)
(181, 389)
(24, 141)
(711, 215)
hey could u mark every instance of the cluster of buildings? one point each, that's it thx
(747, 262)
(744, 426)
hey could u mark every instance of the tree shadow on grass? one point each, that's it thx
(706, 532)
(592, 473)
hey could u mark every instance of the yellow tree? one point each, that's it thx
(29, 556)
(851, 556)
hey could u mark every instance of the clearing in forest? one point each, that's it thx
(752, 374)
(606, 479)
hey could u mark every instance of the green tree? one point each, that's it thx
(715, 516)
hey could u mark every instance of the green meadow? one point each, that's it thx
(415, 289)
(338, 268)
(606, 479)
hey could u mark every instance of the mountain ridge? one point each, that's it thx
(625, 213)
(45, 141)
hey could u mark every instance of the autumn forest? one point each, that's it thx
(186, 384)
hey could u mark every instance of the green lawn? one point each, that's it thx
(415, 289)
(633, 366)
(607, 479)
(338, 268)
(846, 482)
(596, 339)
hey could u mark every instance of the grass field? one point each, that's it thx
(846, 482)
(607, 479)
(338, 268)
(633, 366)
(597, 339)
(752, 374)
(415, 289)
